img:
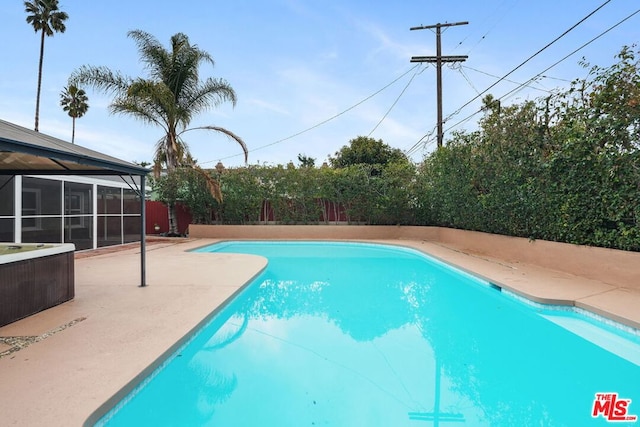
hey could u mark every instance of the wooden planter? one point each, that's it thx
(34, 281)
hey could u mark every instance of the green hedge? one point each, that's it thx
(296, 194)
(563, 168)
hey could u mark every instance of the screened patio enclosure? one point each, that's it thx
(52, 191)
(86, 211)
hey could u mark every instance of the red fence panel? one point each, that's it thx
(332, 211)
(158, 214)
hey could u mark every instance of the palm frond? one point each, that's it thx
(169, 97)
(74, 101)
(160, 157)
(179, 152)
(135, 109)
(56, 20)
(212, 184)
(228, 133)
(152, 53)
(212, 92)
(45, 15)
(101, 79)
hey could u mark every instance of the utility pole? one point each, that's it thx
(439, 59)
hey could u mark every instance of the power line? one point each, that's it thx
(491, 14)
(417, 144)
(322, 122)
(551, 66)
(506, 80)
(414, 147)
(464, 75)
(395, 102)
(535, 54)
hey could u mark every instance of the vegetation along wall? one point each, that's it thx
(565, 167)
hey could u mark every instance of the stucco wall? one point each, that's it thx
(324, 232)
(608, 265)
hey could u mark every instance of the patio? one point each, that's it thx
(76, 357)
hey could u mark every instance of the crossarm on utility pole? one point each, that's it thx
(439, 59)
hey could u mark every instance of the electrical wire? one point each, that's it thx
(534, 55)
(414, 147)
(517, 89)
(322, 122)
(464, 75)
(495, 24)
(418, 71)
(506, 80)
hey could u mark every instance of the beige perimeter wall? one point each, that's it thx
(608, 265)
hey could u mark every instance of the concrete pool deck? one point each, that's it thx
(77, 356)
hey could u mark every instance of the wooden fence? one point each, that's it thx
(157, 215)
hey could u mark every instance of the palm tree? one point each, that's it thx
(169, 97)
(45, 17)
(74, 102)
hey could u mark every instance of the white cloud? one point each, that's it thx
(268, 106)
(386, 45)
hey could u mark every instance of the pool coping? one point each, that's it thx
(120, 332)
(559, 289)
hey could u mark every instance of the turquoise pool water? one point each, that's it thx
(339, 334)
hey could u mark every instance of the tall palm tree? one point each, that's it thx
(169, 97)
(74, 101)
(45, 17)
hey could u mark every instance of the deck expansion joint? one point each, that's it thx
(17, 343)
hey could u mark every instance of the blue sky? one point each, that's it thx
(297, 63)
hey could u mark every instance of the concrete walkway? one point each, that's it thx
(617, 302)
(73, 359)
(113, 330)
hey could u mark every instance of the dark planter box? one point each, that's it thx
(34, 281)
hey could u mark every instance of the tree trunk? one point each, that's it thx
(39, 81)
(73, 130)
(172, 164)
(173, 223)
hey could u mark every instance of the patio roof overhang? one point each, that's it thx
(23, 151)
(26, 152)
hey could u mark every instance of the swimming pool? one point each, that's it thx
(349, 334)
